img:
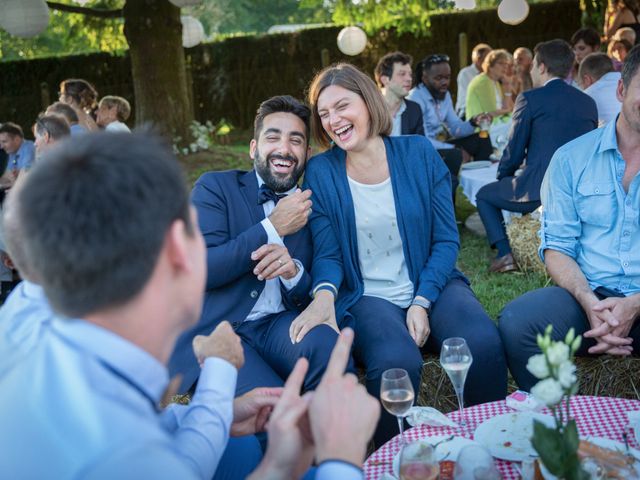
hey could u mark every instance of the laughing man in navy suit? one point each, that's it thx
(259, 254)
(543, 120)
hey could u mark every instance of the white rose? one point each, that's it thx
(566, 374)
(557, 353)
(548, 392)
(537, 365)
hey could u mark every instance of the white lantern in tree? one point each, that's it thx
(24, 18)
(192, 31)
(465, 4)
(186, 3)
(513, 12)
(352, 40)
(82, 2)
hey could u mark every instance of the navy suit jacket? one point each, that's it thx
(411, 119)
(229, 216)
(543, 119)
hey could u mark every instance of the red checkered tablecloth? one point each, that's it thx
(597, 416)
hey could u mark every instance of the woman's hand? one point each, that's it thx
(320, 310)
(418, 324)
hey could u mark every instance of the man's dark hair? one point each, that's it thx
(426, 63)
(56, 126)
(595, 65)
(12, 129)
(285, 104)
(95, 216)
(589, 36)
(64, 110)
(631, 64)
(556, 55)
(386, 63)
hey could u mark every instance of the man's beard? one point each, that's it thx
(275, 182)
(436, 94)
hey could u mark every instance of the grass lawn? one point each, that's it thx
(493, 290)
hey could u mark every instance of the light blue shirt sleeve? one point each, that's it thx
(560, 226)
(201, 429)
(336, 470)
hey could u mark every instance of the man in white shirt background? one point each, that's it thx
(600, 81)
(468, 73)
(112, 114)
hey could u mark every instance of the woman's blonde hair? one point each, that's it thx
(495, 56)
(349, 77)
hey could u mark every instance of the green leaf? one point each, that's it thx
(549, 445)
(571, 438)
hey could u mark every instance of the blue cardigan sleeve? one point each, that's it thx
(445, 241)
(327, 266)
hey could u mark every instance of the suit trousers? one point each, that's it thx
(269, 355)
(490, 201)
(522, 319)
(382, 341)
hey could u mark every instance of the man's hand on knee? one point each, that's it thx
(320, 310)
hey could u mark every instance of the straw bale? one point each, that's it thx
(524, 240)
(609, 376)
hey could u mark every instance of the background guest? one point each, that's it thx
(467, 74)
(617, 51)
(394, 78)
(48, 130)
(619, 14)
(628, 33)
(583, 42)
(112, 114)
(600, 82)
(486, 93)
(82, 96)
(523, 59)
(21, 152)
(69, 114)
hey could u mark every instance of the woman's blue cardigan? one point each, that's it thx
(422, 193)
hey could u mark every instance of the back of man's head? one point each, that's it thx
(631, 64)
(386, 63)
(12, 129)
(95, 215)
(589, 36)
(479, 52)
(53, 125)
(284, 104)
(595, 65)
(556, 55)
(627, 33)
(64, 110)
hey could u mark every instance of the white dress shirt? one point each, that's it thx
(604, 93)
(117, 126)
(270, 300)
(464, 79)
(397, 120)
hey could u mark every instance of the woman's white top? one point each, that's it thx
(498, 95)
(384, 270)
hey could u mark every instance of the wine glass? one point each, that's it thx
(396, 394)
(418, 462)
(455, 358)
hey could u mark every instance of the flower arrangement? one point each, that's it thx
(554, 367)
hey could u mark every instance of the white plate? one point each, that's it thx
(508, 436)
(600, 442)
(446, 450)
(476, 164)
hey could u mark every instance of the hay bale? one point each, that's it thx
(524, 240)
(609, 376)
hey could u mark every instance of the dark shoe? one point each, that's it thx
(503, 264)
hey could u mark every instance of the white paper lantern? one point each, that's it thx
(24, 18)
(192, 31)
(186, 3)
(82, 2)
(465, 4)
(352, 40)
(513, 12)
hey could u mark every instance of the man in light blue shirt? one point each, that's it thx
(21, 152)
(590, 235)
(83, 400)
(600, 82)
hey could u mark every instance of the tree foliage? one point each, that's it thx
(69, 33)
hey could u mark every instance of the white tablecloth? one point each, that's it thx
(473, 180)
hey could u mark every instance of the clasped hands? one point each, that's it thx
(611, 320)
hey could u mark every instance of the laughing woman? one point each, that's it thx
(386, 243)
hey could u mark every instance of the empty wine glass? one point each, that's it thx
(475, 463)
(455, 358)
(396, 394)
(418, 462)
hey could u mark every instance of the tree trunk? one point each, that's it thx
(154, 34)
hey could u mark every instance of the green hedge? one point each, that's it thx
(231, 77)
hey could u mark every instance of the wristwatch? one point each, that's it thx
(424, 303)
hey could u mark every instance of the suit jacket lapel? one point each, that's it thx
(404, 121)
(249, 189)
